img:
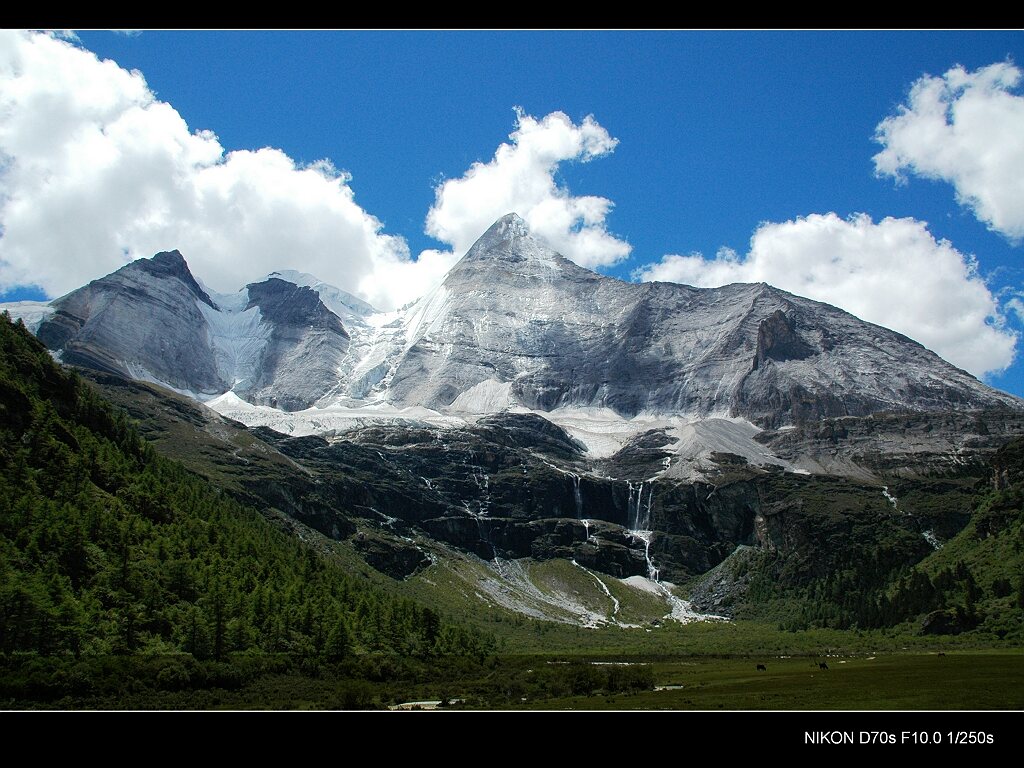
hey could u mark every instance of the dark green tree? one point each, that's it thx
(339, 641)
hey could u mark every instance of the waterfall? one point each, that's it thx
(586, 527)
(576, 491)
(485, 536)
(577, 495)
(929, 536)
(604, 588)
(645, 537)
(891, 499)
(482, 523)
(636, 494)
(647, 513)
(638, 516)
(483, 484)
(639, 521)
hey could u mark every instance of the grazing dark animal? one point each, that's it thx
(941, 654)
(822, 665)
(762, 668)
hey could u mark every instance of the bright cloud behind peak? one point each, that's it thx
(521, 178)
(102, 172)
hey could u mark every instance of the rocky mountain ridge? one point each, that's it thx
(514, 325)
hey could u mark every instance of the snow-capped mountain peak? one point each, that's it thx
(513, 325)
(508, 244)
(505, 233)
(346, 306)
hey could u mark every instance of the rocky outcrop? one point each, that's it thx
(393, 558)
(306, 345)
(1007, 464)
(721, 588)
(778, 340)
(141, 321)
(897, 444)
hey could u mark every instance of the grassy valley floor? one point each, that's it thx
(906, 680)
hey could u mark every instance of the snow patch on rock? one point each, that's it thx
(238, 337)
(31, 313)
(490, 396)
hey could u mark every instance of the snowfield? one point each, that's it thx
(601, 431)
(31, 313)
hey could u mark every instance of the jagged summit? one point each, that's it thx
(508, 247)
(513, 325)
(172, 265)
(508, 239)
(170, 258)
(145, 320)
(346, 306)
(504, 234)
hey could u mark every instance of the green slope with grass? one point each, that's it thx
(117, 564)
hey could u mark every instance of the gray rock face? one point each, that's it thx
(397, 560)
(306, 345)
(513, 324)
(514, 311)
(275, 343)
(141, 321)
(896, 444)
(514, 485)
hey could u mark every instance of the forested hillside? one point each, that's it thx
(110, 552)
(850, 576)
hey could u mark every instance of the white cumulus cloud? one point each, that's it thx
(965, 128)
(521, 179)
(1015, 303)
(893, 273)
(95, 171)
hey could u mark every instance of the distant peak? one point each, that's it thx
(511, 225)
(171, 258)
(508, 239)
(296, 278)
(171, 264)
(342, 303)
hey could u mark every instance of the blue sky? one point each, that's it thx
(717, 133)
